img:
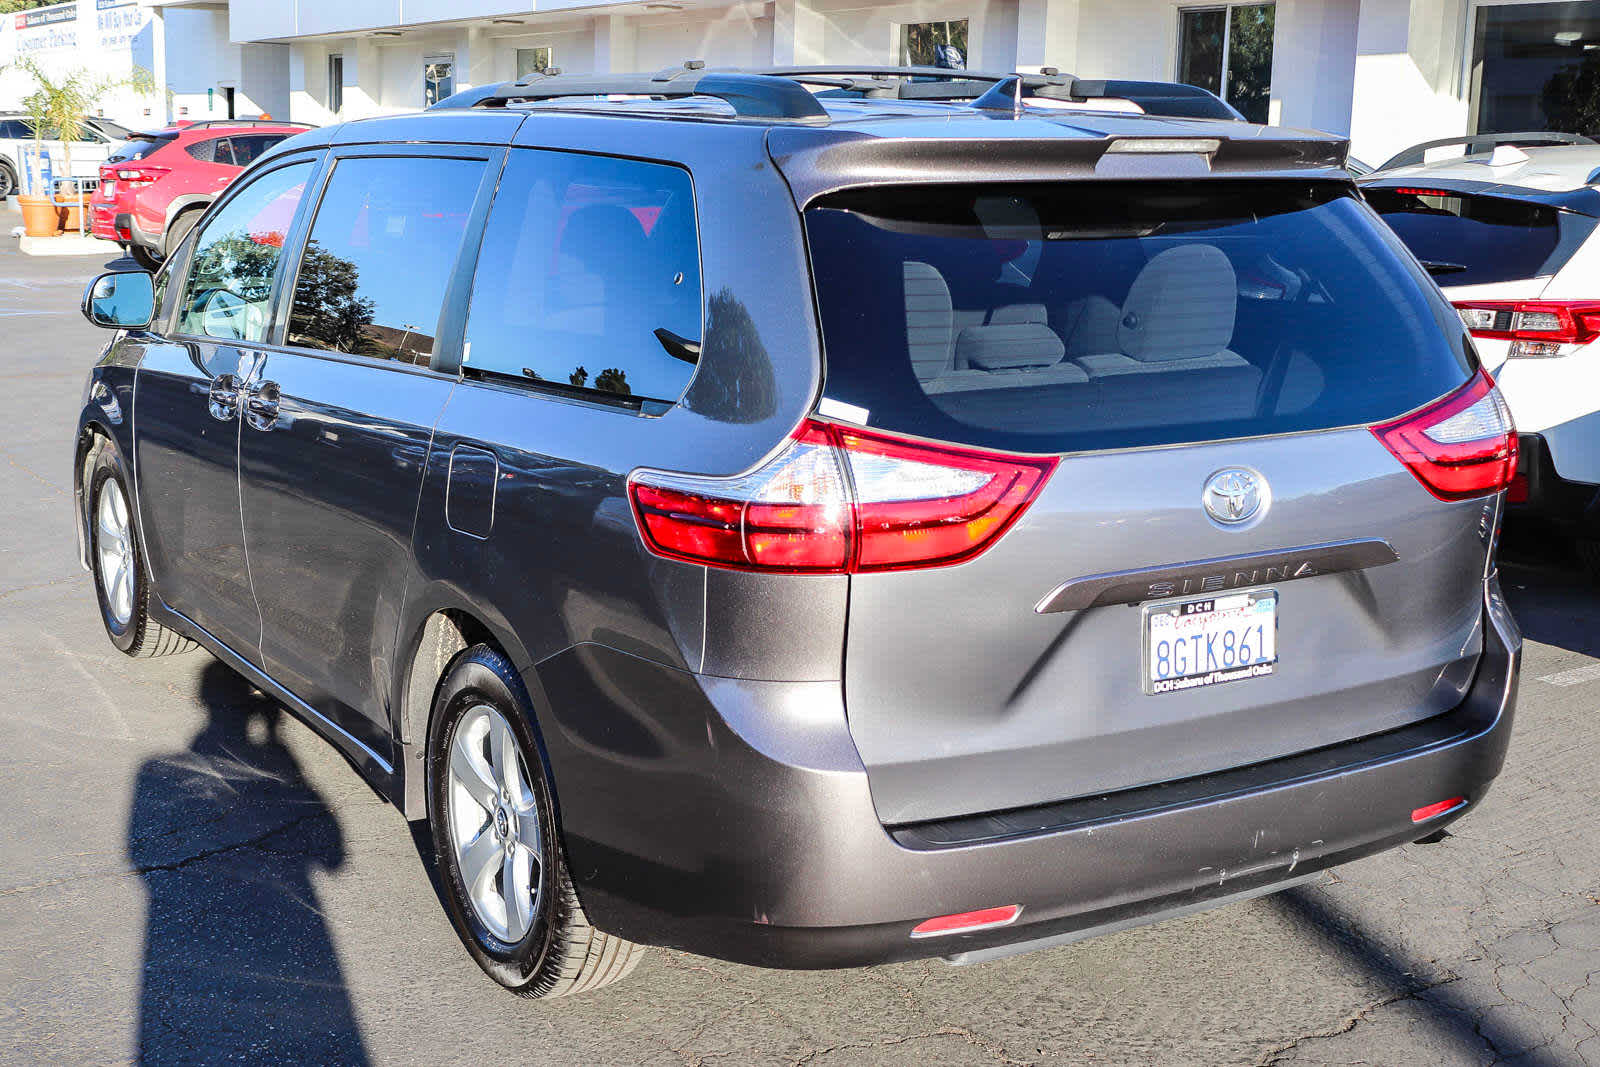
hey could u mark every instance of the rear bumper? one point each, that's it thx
(732, 819)
(1542, 493)
(127, 221)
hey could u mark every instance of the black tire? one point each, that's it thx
(179, 229)
(1589, 558)
(561, 953)
(8, 181)
(133, 631)
(145, 258)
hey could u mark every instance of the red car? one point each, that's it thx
(155, 187)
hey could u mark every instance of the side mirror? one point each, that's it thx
(121, 300)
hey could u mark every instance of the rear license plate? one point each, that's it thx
(1203, 642)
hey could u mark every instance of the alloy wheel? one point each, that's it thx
(114, 555)
(494, 822)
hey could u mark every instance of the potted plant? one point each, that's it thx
(58, 107)
(40, 216)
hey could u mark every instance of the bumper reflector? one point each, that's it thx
(1433, 811)
(968, 921)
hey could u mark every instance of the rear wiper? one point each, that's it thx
(1435, 268)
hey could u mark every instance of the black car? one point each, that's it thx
(818, 532)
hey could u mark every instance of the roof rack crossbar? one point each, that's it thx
(750, 95)
(1418, 153)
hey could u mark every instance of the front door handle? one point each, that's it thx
(261, 405)
(224, 396)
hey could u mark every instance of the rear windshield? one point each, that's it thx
(1464, 239)
(140, 145)
(1074, 316)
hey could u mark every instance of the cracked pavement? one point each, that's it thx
(189, 875)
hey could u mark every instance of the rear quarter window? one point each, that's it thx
(1466, 239)
(588, 281)
(1093, 315)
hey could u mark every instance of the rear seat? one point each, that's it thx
(1167, 343)
(1179, 316)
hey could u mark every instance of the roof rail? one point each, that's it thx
(750, 95)
(1475, 142)
(936, 83)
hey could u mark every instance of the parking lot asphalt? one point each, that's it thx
(187, 874)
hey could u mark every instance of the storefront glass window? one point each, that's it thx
(1228, 50)
(532, 61)
(1536, 67)
(934, 44)
(438, 78)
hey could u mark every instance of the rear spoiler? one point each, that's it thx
(1479, 142)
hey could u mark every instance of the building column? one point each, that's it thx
(1407, 83)
(158, 63)
(363, 77)
(796, 34)
(1047, 35)
(614, 41)
(474, 58)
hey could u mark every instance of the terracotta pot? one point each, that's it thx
(40, 216)
(69, 218)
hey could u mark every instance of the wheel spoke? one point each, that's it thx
(470, 771)
(119, 509)
(125, 590)
(518, 891)
(108, 529)
(504, 749)
(479, 860)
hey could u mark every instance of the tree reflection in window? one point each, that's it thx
(328, 313)
(230, 284)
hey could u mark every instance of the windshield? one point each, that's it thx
(1072, 316)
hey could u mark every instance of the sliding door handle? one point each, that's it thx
(224, 396)
(261, 405)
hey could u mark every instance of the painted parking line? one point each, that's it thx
(1574, 676)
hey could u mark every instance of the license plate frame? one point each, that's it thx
(1254, 602)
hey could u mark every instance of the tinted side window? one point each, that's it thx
(589, 277)
(205, 151)
(229, 288)
(379, 257)
(246, 150)
(15, 129)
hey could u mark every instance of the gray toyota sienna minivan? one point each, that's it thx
(771, 516)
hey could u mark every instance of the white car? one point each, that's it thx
(99, 139)
(1513, 237)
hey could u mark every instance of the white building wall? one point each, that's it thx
(1408, 76)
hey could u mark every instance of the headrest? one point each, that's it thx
(1011, 313)
(1009, 346)
(1180, 306)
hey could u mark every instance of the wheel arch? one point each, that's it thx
(438, 634)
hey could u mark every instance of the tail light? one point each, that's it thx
(839, 500)
(1462, 446)
(1536, 328)
(139, 176)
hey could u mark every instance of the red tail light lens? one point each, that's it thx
(968, 921)
(1536, 328)
(840, 500)
(142, 175)
(1462, 446)
(1433, 811)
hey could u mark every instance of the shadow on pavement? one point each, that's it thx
(238, 963)
(1553, 602)
(1451, 1015)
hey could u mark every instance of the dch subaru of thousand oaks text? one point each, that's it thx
(814, 527)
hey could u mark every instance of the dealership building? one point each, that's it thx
(1388, 73)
